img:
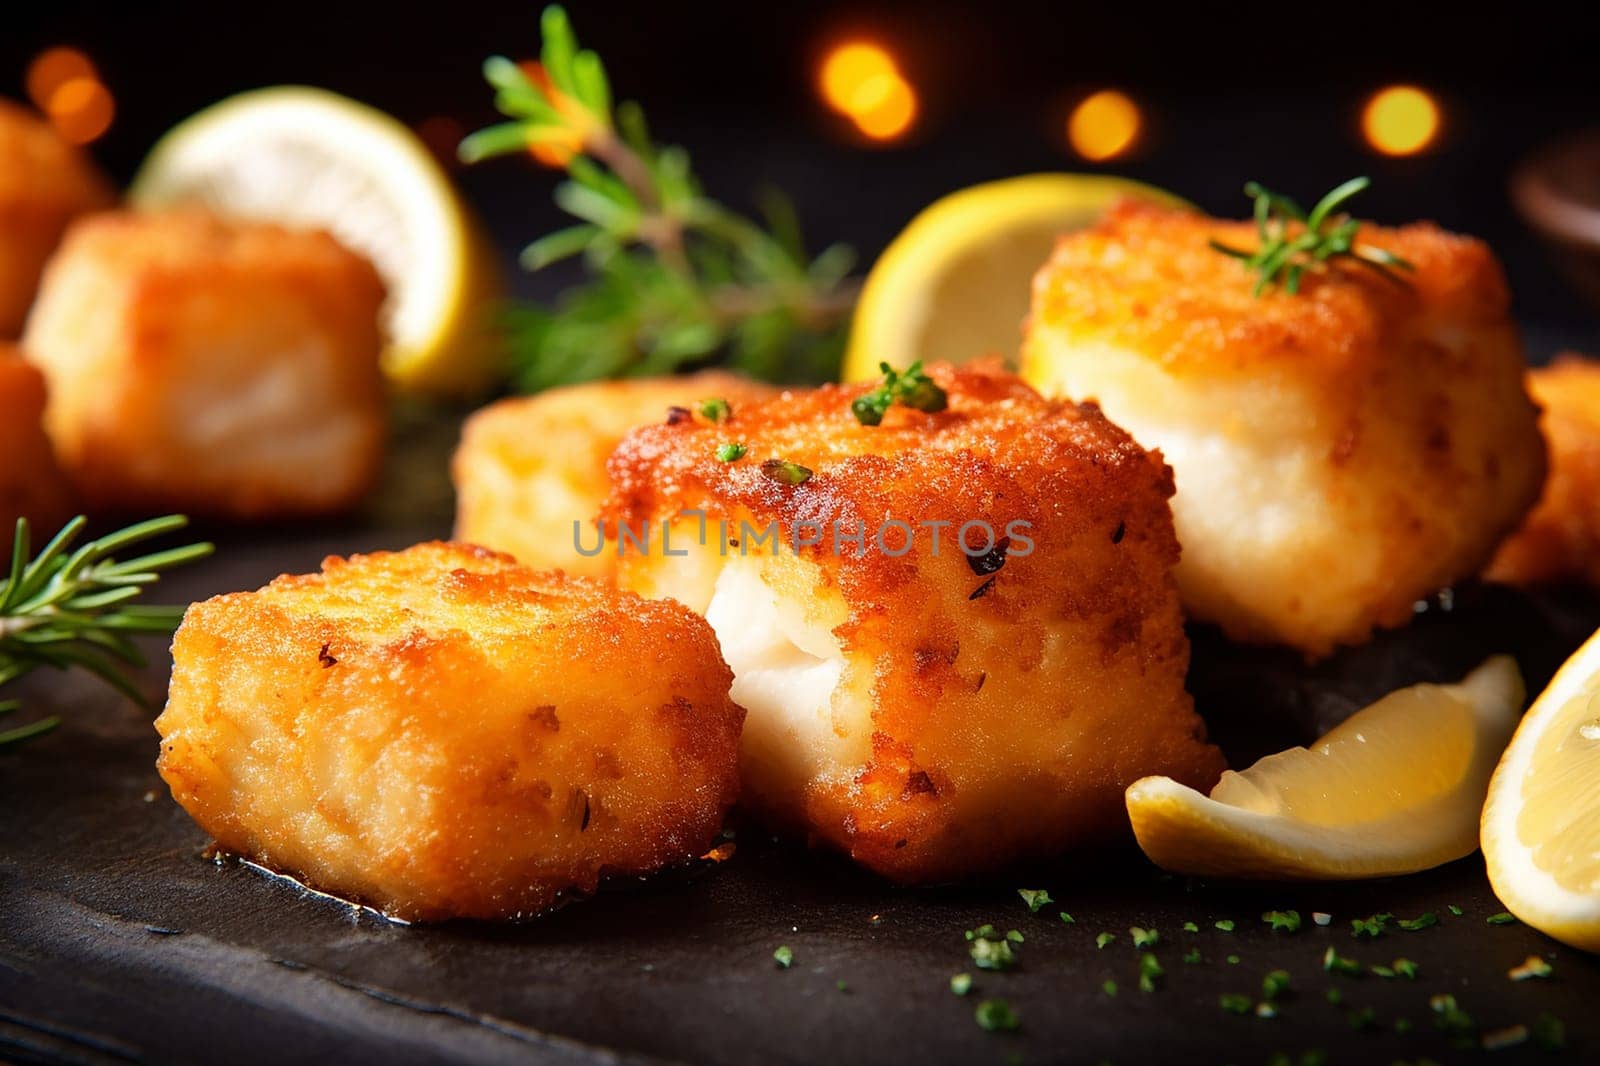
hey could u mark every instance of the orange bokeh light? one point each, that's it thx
(1400, 120)
(81, 109)
(53, 68)
(862, 81)
(1104, 125)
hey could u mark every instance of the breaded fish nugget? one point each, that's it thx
(1340, 453)
(44, 184)
(930, 712)
(209, 366)
(530, 466)
(31, 483)
(441, 733)
(1560, 539)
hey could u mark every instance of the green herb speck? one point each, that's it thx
(1453, 909)
(1149, 969)
(1233, 960)
(1333, 962)
(714, 409)
(1533, 966)
(1549, 1033)
(1283, 921)
(1109, 988)
(1370, 927)
(1422, 921)
(1503, 918)
(1190, 927)
(1034, 898)
(1235, 1003)
(783, 956)
(1103, 939)
(961, 983)
(1068, 919)
(1275, 984)
(1143, 938)
(1192, 956)
(730, 452)
(996, 1016)
(1225, 924)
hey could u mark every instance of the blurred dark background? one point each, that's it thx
(1225, 95)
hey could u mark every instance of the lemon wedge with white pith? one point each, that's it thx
(957, 282)
(1396, 788)
(1541, 824)
(308, 157)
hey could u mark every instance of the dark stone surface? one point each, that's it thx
(119, 941)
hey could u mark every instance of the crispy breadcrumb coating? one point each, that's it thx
(440, 732)
(1340, 453)
(44, 184)
(210, 366)
(930, 713)
(530, 467)
(31, 483)
(1560, 539)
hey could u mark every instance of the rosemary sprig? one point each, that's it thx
(72, 607)
(913, 388)
(1292, 242)
(676, 278)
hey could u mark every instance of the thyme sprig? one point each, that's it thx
(69, 607)
(675, 277)
(1292, 242)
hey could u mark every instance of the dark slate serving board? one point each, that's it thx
(120, 942)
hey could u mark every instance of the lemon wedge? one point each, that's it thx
(1541, 824)
(1396, 788)
(956, 283)
(308, 157)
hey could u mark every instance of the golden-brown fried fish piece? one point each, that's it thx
(1340, 453)
(441, 733)
(44, 184)
(1560, 539)
(933, 713)
(31, 483)
(211, 366)
(530, 467)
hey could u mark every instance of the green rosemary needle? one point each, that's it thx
(1291, 241)
(69, 607)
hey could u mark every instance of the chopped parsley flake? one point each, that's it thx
(1190, 927)
(1283, 921)
(1372, 927)
(1333, 962)
(996, 1016)
(714, 409)
(992, 954)
(1335, 996)
(841, 986)
(1233, 960)
(1143, 938)
(730, 452)
(985, 930)
(1192, 956)
(1235, 1003)
(785, 473)
(1034, 898)
(1402, 1026)
(783, 956)
(1406, 968)
(1532, 966)
(1014, 935)
(1149, 969)
(1103, 939)
(1549, 1033)
(1382, 971)
(1109, 988)
(961, 984)
(913, 389)
(1422, 921)
(1503, 918)
(1275, 984)
(1226, 925)
(1362, 1018)
(1450, 1017)
(1453, 909)
(1068, 919)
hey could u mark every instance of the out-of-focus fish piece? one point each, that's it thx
(44, 184)
(31, 483)
(441, 733)
(215, 367)
(530, 472)
(1340, 453)
(956, 633)
(1560, 539)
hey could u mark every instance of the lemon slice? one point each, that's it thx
(1396, 788)
(1541, 824)
(308, 157)
(957, 282)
